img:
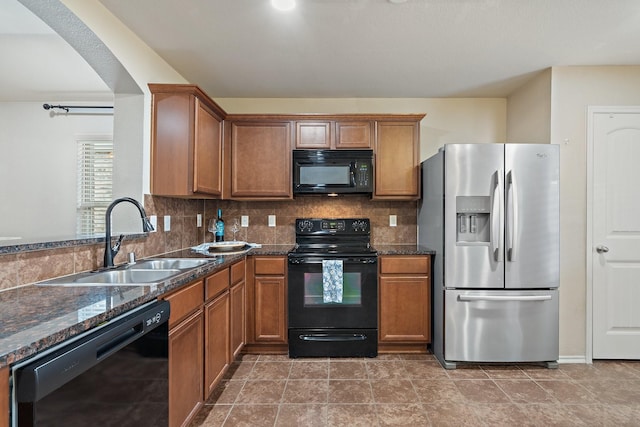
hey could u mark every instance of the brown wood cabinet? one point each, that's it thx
(330, 134)
(260, 156)
(405, 302)
(397, 165)
(237, 297)
(4, 397)
(186, 342)
(216, 341)
(267, 303)
(186, 142)
(216, 329)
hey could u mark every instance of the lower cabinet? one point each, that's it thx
(206, 329)
(186, 344)
(405, 303)
(237, 301)
(267, 303)
(216, 341)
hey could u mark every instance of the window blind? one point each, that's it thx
(95, 184)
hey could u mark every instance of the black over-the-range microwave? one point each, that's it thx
(332, 171)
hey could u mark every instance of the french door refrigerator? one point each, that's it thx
(491, 213)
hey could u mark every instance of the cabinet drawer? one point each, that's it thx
(270, 265)
(405, 264)
(216, 284)
(237, 272)
(185, 301)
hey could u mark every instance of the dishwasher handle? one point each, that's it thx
(47, 373)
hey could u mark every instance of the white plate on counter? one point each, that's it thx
(226, 246)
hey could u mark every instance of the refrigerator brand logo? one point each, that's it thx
(542, 155)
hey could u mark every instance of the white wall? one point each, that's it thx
(448, 120)
(573, 90)
(556, 102)
(38, 169)
(529, 111)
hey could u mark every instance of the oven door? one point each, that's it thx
(358, 307)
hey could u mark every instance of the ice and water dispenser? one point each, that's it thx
(473, 219)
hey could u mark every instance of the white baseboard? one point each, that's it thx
(572, 359)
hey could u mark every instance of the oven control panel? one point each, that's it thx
(333, 226)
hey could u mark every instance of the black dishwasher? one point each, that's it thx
(114, 376)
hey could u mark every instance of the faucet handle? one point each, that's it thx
(116, 247)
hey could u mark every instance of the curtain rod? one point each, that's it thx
(68, 107)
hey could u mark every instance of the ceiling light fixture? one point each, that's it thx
(283, 5)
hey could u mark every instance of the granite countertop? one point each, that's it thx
(35, 317)
(404, 250)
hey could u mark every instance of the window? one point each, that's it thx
(95, 184)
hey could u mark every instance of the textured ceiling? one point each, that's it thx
(343, 48)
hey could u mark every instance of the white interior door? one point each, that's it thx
(616, 235)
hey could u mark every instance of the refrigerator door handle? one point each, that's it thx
(504, 298)
(497, 217)
(512, 228)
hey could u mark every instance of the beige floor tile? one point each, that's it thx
(347, 370)
(351, 415)
(451, 414)
(306, 391)
(410, 414)
(252, 416)
(311, 415)
(261, 392)
(524, 391)
(393, 391)
(310, 370)
(350, 391)
(270, 371)
(481, 391)
(438, 391)
(567, 391)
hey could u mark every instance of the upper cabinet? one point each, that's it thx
(330, 134)
(260, 157)
(397, 166)
(186, 142)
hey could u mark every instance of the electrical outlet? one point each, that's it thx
(167, 223)
(153, 219)
(393, 220)
(199, 220)
(244, 220)
(272, 220)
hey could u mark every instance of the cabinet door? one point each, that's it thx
(185, 369)
(397, 161)
(354, 134)
(261, 160)
(170, 139)
(238, 300)
(270, 309)
(313, 134)
(404, 309)
(207, 156)
(216, 341)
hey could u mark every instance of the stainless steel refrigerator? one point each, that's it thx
(491, 212)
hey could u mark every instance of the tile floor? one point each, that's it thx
(413, 390)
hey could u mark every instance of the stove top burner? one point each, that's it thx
(339, 237)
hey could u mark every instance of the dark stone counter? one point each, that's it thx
(404, 250)
(35, 317)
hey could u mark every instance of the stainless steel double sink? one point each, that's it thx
(144, 272)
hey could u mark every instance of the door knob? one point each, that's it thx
(601, 249)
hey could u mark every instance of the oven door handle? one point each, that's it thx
(368, 260)
(332, 337)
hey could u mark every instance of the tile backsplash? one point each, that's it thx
(28, 267)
